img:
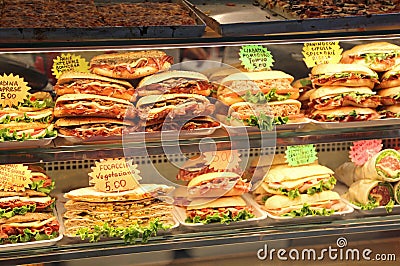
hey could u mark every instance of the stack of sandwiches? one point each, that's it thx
(213, 195)
(352, 90)
(28, 120)
(252, 96)
(174, 100)
(87, 208)
(389, 90)
(295, 191)
(27, 215)
(101, 103)
(343, 93)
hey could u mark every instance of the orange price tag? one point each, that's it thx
(14, 177)
(114, 175)
(223, 160)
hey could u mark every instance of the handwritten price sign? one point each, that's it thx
(69, 62)
(300, 154)
(13, 90)
(256, 58)
(14, 177)
(316, 53)
(223, 160)
(114, 175)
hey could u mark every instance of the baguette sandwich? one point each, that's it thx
(157, 108)
(175, 81)
(390, 78)
(87, 127)
(130, 65)
(222, 210)
(217, 184)
(331, 97)
(28, 227)
(351, 75)
(378, 56)
(91, 105)
(87, 83)
(257, 87)
(345, 114)
(324, 203)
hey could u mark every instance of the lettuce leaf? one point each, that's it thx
(36, 103)
(8, 213)
(260, 97)
(322, 186)
(132, 234)
(27, 236)
(6, 135)
(372, 57)
(307, 211)
(223, 218)
(38, 186)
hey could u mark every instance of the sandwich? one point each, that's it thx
(87, 83)
(345, 114)
(80, 214)
(264, 115)
(305, 88)
(41, 182)
(391, 111)
(197, 166)
(8, 115)
(28, 227)
(176, 125)
(35, 102)
(260, 165)
(330, 97)
(130, 65)
(369, 194)
(351, 75)
(378, 56)
(323, 203)
(144, 191)
(91, 105)
(223, 210)
(390, 96)
(297, 180)
(127, 212)
(16, 205)
(87, 127)
(157, 108)
(175, 82)
(217, 184)
(390, 78)
(21, 131)
(257, 87)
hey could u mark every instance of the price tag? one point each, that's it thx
(14, 177)
(300, 154)
(114, 175)
(69, 62)
(316, 53)
(363, 150)
(223, 160)
(13, 90)
(256, 58)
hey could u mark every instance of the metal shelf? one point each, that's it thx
(354, 228)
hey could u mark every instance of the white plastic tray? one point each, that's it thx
(368, 123)
(380, 210)
(26, 144)
(141, 136)
(260, 215)
(32, 244)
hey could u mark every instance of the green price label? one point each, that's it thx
(256, 58)
(300, 155)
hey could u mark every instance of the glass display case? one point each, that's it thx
(69, 163)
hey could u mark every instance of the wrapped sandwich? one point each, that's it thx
(323, 203)
(369, 194)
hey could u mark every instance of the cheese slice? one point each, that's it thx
(35, 224)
